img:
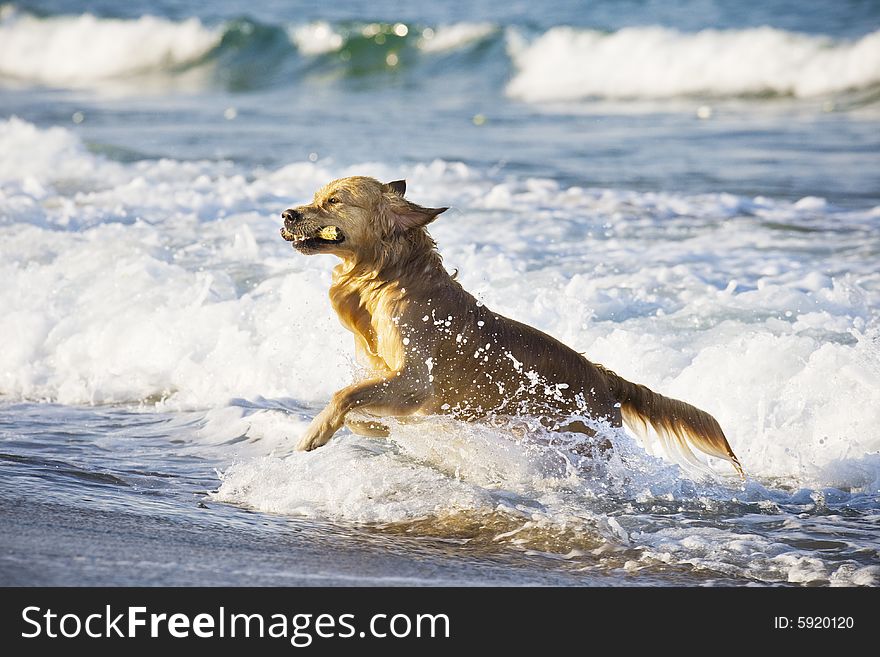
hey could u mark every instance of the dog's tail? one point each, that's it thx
(679, 426)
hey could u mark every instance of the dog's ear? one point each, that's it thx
(396, 186)
(406, 215)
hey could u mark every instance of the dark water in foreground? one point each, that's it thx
(76, 513)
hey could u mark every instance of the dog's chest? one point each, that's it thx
(370, 315)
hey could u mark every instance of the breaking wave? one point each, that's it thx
(566, 64)
(560, 64)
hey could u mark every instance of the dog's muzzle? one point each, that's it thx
(291, 217)
(305, 235)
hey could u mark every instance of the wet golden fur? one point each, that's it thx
(432, 348)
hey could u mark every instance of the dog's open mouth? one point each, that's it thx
(324, 235)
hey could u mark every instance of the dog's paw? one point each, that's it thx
(317, 434)
(309, 442)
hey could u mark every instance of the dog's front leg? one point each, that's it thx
(400, 394)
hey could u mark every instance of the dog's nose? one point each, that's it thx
(290, 216)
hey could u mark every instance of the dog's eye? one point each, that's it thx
(332, 200)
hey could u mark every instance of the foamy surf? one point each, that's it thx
(218, 307)
(486, 488)
(82, 50)
(566, 64)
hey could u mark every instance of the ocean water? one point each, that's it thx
(687, 192)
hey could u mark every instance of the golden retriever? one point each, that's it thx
(432, 348)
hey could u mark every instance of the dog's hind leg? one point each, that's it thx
(578, 426)
(591, 447)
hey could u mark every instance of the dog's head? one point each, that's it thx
(354, 218)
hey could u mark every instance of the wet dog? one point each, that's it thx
(432, 348)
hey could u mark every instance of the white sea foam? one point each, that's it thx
(452, 37)
(566, 63)
(526, 492)
(84, 49)
(166, 279)
(316, 38)
(320, 37)
(751, 555)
